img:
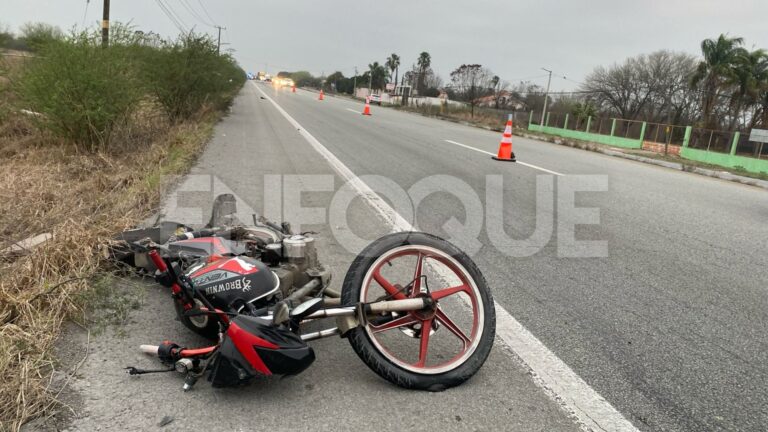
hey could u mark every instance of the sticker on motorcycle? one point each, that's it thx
(242, 284)
(213, 277)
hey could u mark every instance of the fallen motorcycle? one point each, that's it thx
(414, 308)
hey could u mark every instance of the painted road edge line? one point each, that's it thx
(494, 154)
(590, 410)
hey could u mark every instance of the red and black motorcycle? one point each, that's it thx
(415, 308)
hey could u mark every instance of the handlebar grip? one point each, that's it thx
(158, 261)
(149, 349)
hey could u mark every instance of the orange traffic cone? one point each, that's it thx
(322, 95)
(293, 88)
(367, 109)
(505, 147)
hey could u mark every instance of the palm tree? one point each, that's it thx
(377, 75)
(715, 71)
(750, 76)
(424, 61)
(763, 108)
(393, 64)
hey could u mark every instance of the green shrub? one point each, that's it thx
(81, 90)
(37, 35)
(305, 79)
(188, 74)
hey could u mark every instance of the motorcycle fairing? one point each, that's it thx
(254, 346)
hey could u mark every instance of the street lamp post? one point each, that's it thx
(546, 96)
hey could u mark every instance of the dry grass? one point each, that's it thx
(483, 117)
(83, 200)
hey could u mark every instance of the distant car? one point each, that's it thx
(375, 98)
(286, 82)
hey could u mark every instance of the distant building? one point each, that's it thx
(506, 100)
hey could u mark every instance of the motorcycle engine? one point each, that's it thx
(294, 261)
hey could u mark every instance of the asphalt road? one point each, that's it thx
(338, 392)
(668, 325)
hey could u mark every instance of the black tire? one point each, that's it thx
(368, 352)
(209, 331)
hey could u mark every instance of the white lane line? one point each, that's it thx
(469, 147)
(354, 111)
(590, 410)
(494, 154)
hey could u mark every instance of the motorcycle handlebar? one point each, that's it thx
(149, 349)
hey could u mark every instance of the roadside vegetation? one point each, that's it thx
(87, 135)
(726, 88)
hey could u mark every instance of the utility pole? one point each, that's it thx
(105, 25)
(218, 43)
(370, 82)
(546, 95)
(354, 84)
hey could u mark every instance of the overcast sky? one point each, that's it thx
(513, 38)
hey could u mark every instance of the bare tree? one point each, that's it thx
(532, 95)
(471, 82)
(623, 88)
(668, 74)
(432, 80)
(654, 87)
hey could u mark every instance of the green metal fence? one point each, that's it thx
(614, 132)
(727, 149)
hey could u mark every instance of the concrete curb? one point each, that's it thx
(723, 175)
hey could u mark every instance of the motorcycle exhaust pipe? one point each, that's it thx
(405, 305)
(304, 291)
(320, 334)
(331, 301)
(330, 292)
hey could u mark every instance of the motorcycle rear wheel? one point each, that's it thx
(430, 371)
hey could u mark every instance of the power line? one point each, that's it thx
(175, 16)
(170, 16)
(525, 78)
(194, 13)
(205, 11)
(85, 14)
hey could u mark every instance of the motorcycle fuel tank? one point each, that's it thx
(228, 280)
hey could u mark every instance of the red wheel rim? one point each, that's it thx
(424, 322)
